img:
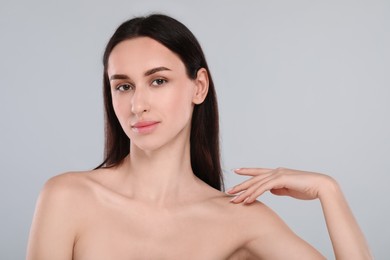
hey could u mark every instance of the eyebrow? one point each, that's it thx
(154, 70)
(147, 73)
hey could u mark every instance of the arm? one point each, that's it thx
(347, 239)
(52, 232)
(268, 237)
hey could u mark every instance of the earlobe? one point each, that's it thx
(202, 86)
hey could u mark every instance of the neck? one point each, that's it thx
(163, 176)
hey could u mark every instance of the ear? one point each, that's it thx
(201, 86)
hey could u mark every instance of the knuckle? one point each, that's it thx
(283, 171)
(282, 177)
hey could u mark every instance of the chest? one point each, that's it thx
(138, 233)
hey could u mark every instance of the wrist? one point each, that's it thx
(329, 187)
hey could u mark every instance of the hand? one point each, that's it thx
(284, 182)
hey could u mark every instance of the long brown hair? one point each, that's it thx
(204, 138)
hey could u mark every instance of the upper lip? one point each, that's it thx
(144, 123)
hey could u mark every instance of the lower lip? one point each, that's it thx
(145, 129)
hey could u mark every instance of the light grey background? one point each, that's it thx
(301, 84)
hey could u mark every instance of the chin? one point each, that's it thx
(149, 145)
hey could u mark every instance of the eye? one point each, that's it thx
(159, 82)
(124, 87)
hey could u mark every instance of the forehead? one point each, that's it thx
(141, 54)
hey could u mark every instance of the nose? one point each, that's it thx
(140, 101)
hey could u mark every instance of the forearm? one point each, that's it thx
(347, 239)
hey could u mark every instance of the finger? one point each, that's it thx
(252, 190)
(246, 184)
(252, 171)
(273, 183)
(243, 196)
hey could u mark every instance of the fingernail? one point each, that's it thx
(232, 199)
(230, 190)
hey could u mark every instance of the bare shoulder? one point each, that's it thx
(70, 192)
(67, 185)
(66, 181)
(76, 181)
(64, 193)
(60, 201)
(254, 210)
(250, 221)
(263, 233)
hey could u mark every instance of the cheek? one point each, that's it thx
(116, 107)
(121, 108)
(180, 104)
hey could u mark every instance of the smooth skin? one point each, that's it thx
(347, 239)
(152, 206)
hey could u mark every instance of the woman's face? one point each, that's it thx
(152, 96)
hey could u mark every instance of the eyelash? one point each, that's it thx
(156, 83)
(128, 86)
(160, 80)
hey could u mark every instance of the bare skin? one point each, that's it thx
(152, 206)
(94, 218)
(347, 239)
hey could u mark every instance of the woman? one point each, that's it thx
(157, 195)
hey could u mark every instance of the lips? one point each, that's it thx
(144, 127)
